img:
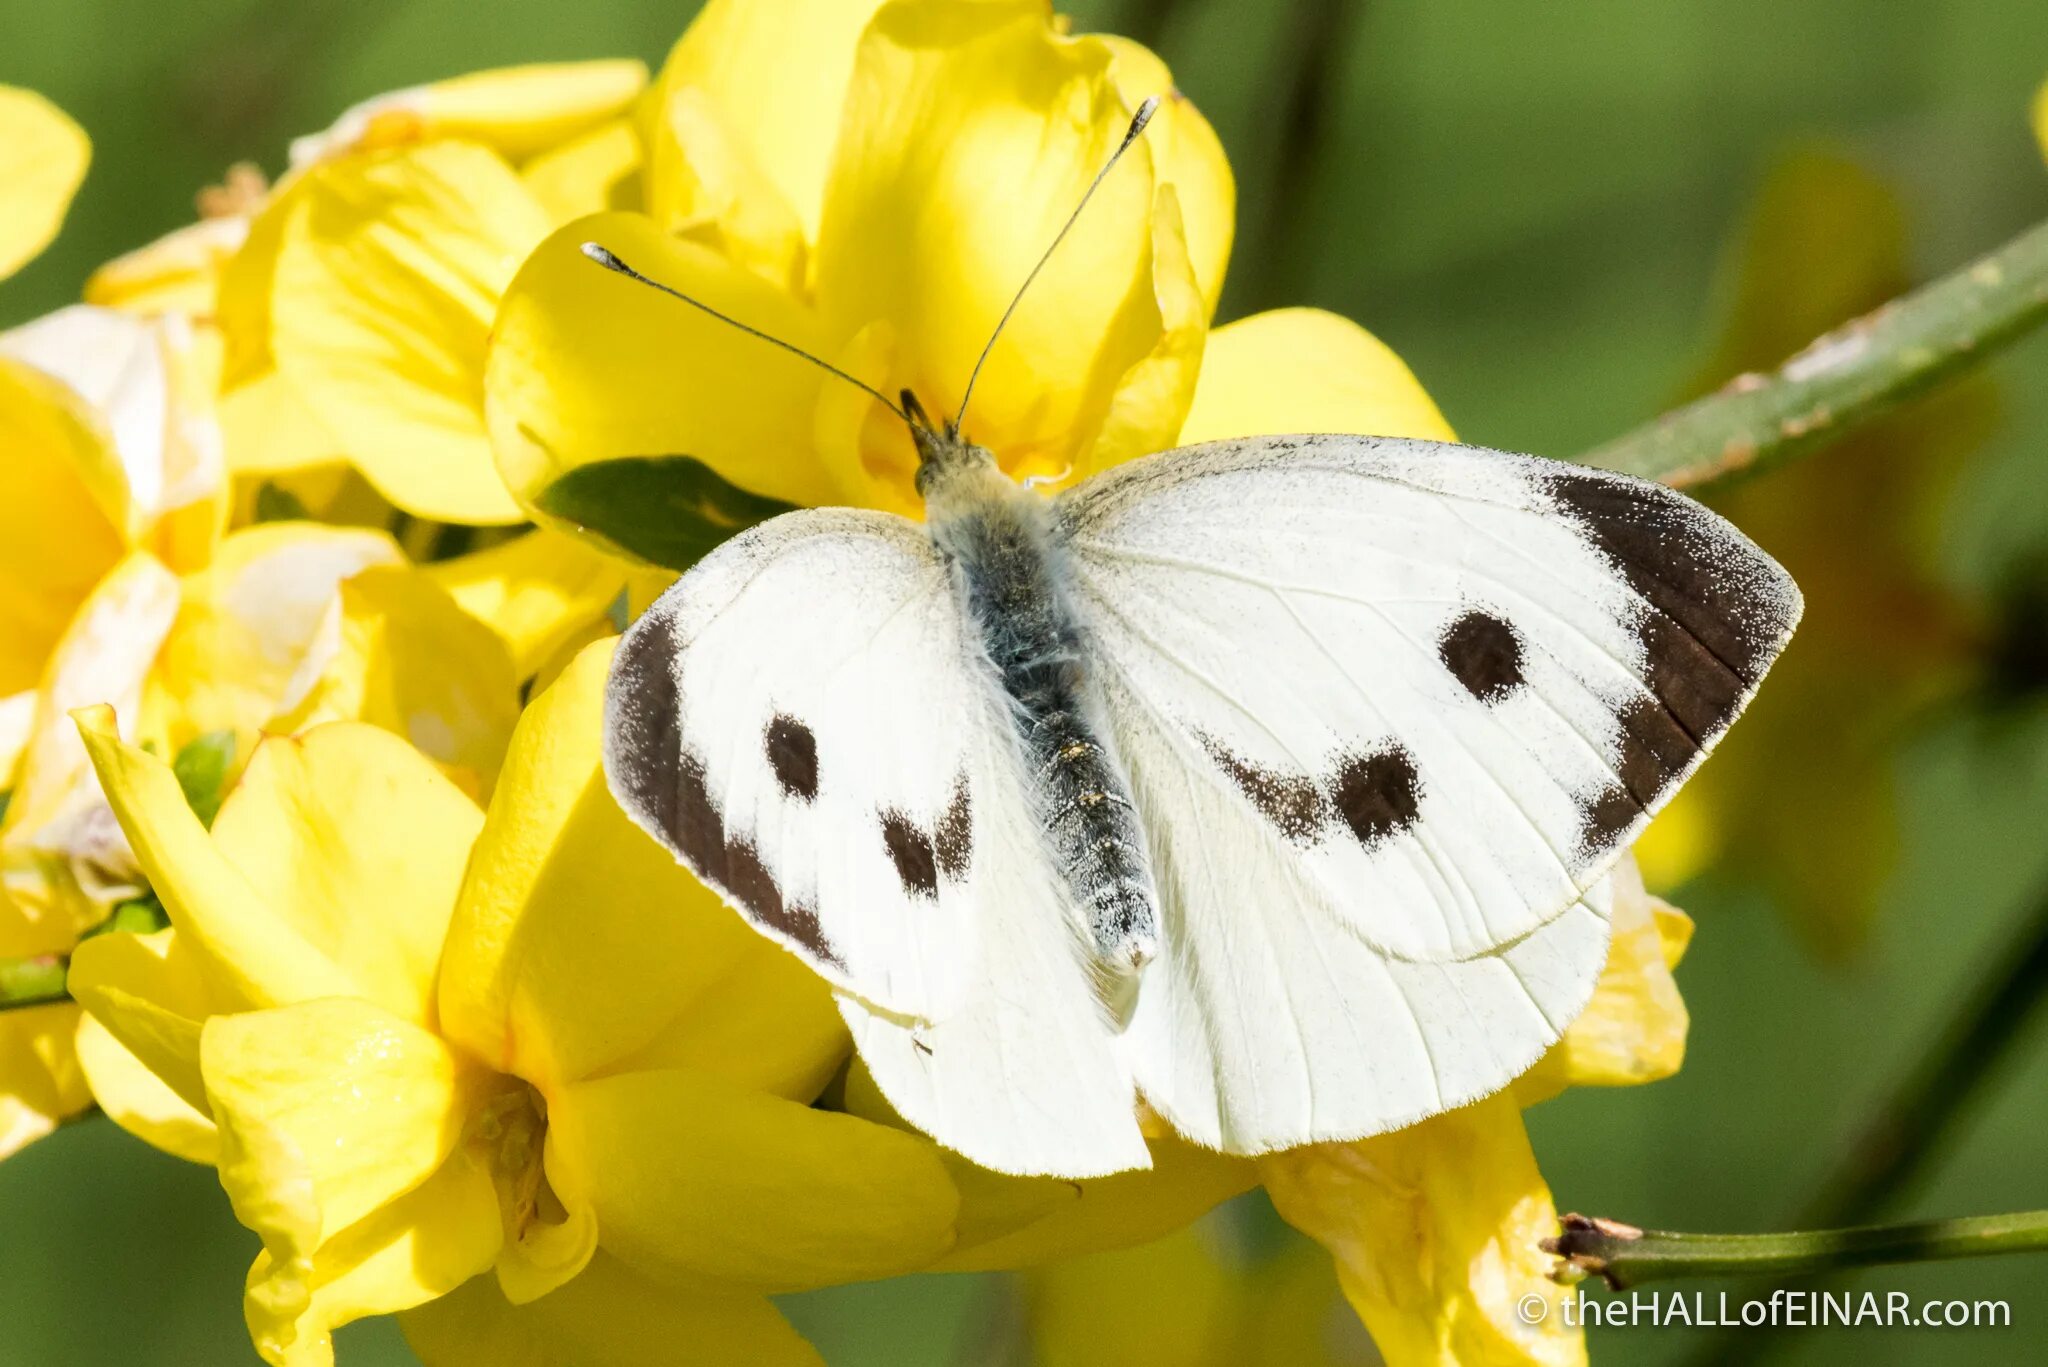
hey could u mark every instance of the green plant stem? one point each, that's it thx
(34, 981)
(1624, 1256)
(1847, 377)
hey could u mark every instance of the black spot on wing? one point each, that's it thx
(663, 782)
(1716, 612)
(793, 755)
(1378, 794)
(910, 849)
(1293, 803)
(1483, 653)
(953, 838)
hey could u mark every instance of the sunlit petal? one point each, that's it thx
(692, 1176)
(1435, 1229)
(389, 270)
(43, 156)
(1303, 370)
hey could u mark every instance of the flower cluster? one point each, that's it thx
(323, 514)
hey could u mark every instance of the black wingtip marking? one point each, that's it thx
(1379, 794)
(645, 720)
(663, 782)
(1483, 653)
(1293, 803)
(1716, 613)
(793, 755)
(910, 849)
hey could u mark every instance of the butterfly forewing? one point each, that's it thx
(1447, 684)
(802, 722)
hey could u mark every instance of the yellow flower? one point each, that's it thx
(423, 1043)
(562, 126)
(111, 448)
(888, 241)
(43, 156)
(354, 313)
(289, 625)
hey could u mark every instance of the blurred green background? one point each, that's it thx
(1566, 217)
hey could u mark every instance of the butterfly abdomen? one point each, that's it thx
(998, 541)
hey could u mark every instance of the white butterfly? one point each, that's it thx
(1273, 781)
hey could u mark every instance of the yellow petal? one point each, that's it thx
(2041, 118)
(358, 843)
(704, 185)
(411, 661)
(579, 942)
(1633, 1030)
(178, 273)
(63, 859)
(971, 132)
(139, 1101)
(389, 270)
(1150, 401)
(58, 532)
(593, 379)
(40, 1081)
(775, 72)
(251, 956)
(330, 1111)
(1186, 154)
(149, 386)
(1171, 1303)
(1008, 1222)
(150, 995)
(421, 1246)
(1107, 1212)
(1303, 370)
(266, 428)
(538, 592)
(691, 1176)
(586, 175)
(1434, 1229)
(43, 156)
(609, 1314)
(517, 111)
(258, 627)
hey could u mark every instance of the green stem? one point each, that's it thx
(35, 981)
(1624, 1256)
(1846, 377)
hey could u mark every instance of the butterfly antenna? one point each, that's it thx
(611, 262)
(1138, 122)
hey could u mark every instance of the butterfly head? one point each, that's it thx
(950, 468)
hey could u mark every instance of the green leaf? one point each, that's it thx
(665, 510)
(202, 769)
(275, 503)
(142, 915)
